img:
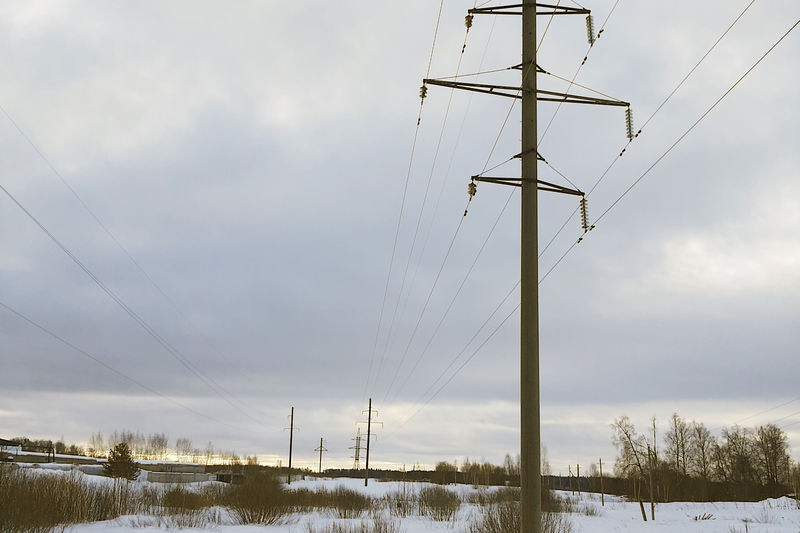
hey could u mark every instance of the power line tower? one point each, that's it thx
(291, 429)
(356, 450)
(527, 92)
(320, 450)
(370, 435)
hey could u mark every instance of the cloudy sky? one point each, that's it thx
(231, 175)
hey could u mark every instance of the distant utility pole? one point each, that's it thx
(357, 450)
(530, 420)
(602, 494)
(320, 450)
(291, 436)
(369, 412)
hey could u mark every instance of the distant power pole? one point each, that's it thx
(602, 495)
(357, 450)
(527, 92)
(291, 436)
(320, 450)
(369, 412)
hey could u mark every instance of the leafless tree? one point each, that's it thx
(701, 447)
(183, 447)
(677, 439)
(773, 448)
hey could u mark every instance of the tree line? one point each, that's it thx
(154, 446)
(690, 463)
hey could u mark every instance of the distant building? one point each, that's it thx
(9, 448)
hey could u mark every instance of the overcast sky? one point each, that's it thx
(251, 158)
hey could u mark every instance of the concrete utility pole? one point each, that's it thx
(369, 434)
(291, 435)
(530, 444)
(602, 494)
(320, 450)
(369, 423)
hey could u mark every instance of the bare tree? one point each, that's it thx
(677, 438)
(633, 453)
(736, 459)
(773, 447)
(183, 447)
(701, 447)
(157, 445)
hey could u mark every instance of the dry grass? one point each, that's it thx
(505, 517)
(401, 503)
(32, 503)
(438, 503)
(377, 524)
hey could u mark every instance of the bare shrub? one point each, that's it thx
(489, 497)
(349, 503)
(504, 517)
(438, 503)
(38, 503)
(401, 503)
(378, 524)
(259, 500)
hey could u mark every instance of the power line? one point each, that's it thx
(176, 354)
(113, 237)
(402, 209)
(577, 71)
(427, 301)
(458, 292)
(671, 147)
(108, 367)
(483, 56)
(497, 138)
(658, 109)
(474, 353)
(422, 210)
(679, 139)
(768, 410)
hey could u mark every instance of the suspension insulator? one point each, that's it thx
(584, 215)
(468, 21)
(472, 189)
(423, 91)
(590, 29)
(629, 123)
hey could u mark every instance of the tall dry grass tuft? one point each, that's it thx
(438, 503)
(259, 500)
(504, 517)
(401, 503)
(377, 524)
(349, 503)
(39, 503)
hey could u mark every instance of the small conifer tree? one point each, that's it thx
(120, 463)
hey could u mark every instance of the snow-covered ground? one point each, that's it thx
(770, 516)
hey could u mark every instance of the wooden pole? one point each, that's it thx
(602, 495)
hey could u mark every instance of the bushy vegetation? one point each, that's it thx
(40, 501)
(504, 517)
(691, 464)
(37, 503)
(438, 503)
